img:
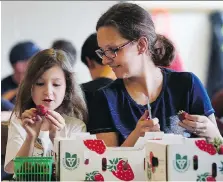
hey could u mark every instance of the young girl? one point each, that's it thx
(119, 112)
(49, 81)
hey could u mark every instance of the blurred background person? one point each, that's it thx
(101, 74)
(18, 57)
(68, 47)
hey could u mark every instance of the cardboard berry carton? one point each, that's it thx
(90, 160)
(76, 136)
(184, 160)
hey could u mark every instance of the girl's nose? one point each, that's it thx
(48, 90)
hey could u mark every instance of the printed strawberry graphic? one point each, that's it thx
(207, 147)
(121, 169)
(220, 150)
(218, 144)
(95, 145)
(205, 177)
(210, 178)
(41, 110)
(181, 114)
(94, 176)
(151, 162)
(98, 177)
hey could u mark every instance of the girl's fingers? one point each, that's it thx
(54, 121)
(56, 116)
(27, 121)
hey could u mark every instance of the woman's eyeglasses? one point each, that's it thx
(111, 53)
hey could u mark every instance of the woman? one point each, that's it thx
(119, 113)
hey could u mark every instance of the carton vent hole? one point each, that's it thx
(214, 170)
(86, 161)
(195, 162)
(104, 164)
(155, 161)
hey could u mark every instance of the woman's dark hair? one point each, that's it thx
(73, 104)
(134, 22)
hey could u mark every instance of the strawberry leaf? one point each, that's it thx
(111, 161)
(95, 172)
(116, 160)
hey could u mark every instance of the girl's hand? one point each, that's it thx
(31, 122)
(146, 125)
(201, 126)
(56, 121)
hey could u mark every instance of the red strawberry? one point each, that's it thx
(98, 177)
(41, 110)
(94, 176)
(121, 169)
(220, 149)
(201, 144)
(181, 114)
(210, 178)
(207, 147)
(95, 145)
(205, 177)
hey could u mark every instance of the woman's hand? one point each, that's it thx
(201, 126)
(146, 125)
(31, 122)
(56, 121)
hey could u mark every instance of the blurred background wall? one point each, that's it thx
(43, 22)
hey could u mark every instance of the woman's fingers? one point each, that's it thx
(194, 124)
(194, 130)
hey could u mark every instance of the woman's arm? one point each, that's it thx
(110, 138)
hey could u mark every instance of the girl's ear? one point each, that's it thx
(143, 45)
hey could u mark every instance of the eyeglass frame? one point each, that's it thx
(115, 50)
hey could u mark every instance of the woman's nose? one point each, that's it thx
(106, 60)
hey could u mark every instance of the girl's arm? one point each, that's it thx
(17, 145)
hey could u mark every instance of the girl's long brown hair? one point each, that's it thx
(73, 104)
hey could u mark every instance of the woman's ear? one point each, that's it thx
(143, 45)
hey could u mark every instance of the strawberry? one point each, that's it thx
(220, 151)
(95, 145)
(207, 147)
(205, 177)
(121, 169)
(181, 114)
(41, 110)
(218, 143)
(94, 176)
(210, 178)
(98, 177)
